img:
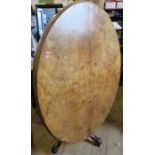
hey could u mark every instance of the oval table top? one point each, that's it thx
(76, 71)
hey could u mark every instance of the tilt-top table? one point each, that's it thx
(76, 71)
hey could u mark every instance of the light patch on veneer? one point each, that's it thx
(48, 54)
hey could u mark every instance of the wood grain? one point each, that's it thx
(76, 71)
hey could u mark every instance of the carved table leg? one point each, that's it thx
(97, 141)
(56, 147)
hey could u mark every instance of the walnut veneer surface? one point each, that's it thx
(76, 71)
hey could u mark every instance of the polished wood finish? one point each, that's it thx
(76, 71)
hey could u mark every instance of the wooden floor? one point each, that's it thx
(111, 135)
